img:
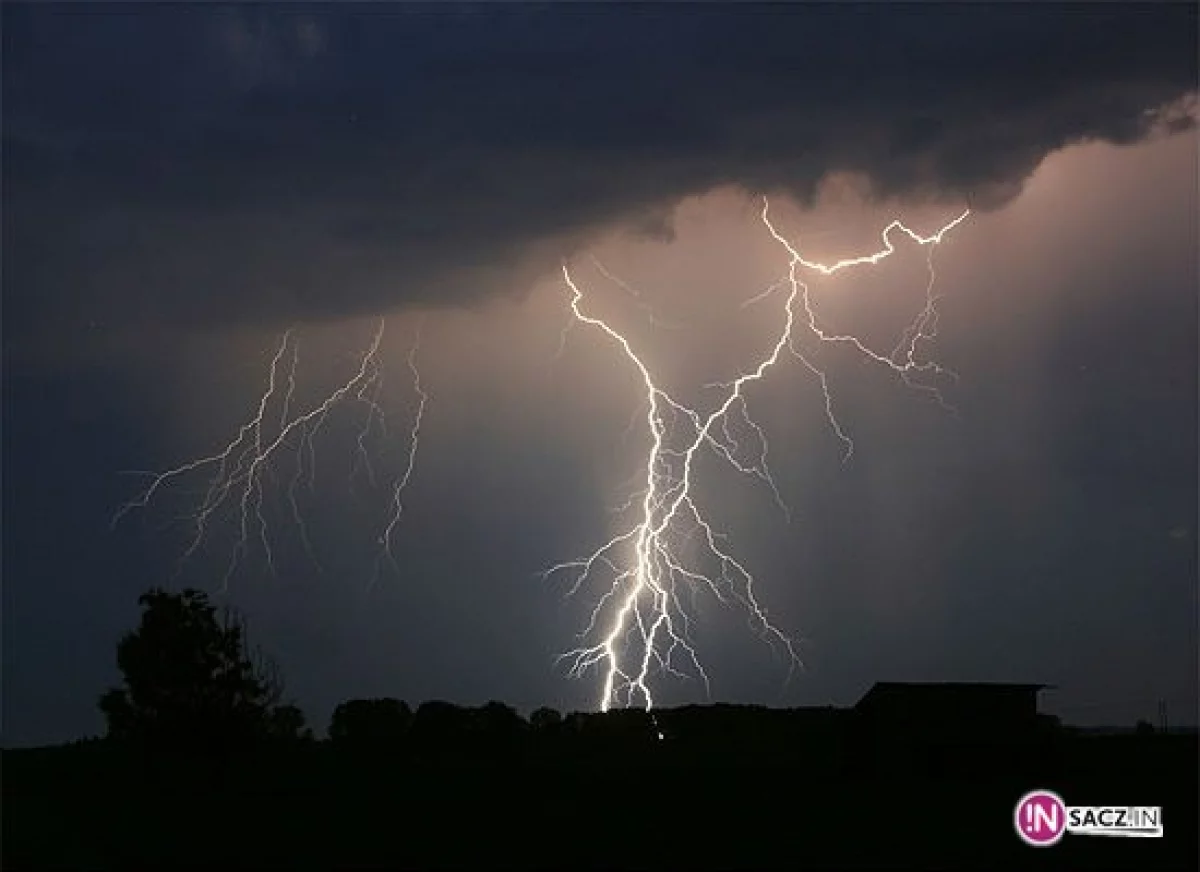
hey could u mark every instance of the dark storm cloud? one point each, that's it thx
(212, 165)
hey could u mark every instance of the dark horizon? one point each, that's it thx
(321, 726)
(475, 774)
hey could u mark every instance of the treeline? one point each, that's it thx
(380, 724)
(193, 680)
(386, 722)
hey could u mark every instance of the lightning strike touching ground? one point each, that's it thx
(241, 470)
(644, 625)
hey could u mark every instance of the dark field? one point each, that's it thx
(753, 799)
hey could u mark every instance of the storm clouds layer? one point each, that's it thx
(202, 166)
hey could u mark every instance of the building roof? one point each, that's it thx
(944, 688)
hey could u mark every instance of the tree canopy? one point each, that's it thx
(191, 682)
(370, 722)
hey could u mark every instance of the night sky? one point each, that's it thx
(184, 182)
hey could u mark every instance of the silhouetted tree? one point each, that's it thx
(370, 722)
(576, 723)
(438, 723)
(191, 682)
(1144, 728)
(287, 722)
(545, 720)
(497, 724)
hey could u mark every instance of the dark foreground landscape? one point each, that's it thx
(205, 766)
(723, 788)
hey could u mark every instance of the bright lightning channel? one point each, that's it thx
(639, 626)
(241, 470)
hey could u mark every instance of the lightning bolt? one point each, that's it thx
(241, 470)
(639, 626)
(414, 436)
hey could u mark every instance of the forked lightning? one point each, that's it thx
(639, 624)
(240, 471)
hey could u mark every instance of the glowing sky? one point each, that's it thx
(319, 169)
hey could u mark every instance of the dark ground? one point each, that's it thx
(604, 802)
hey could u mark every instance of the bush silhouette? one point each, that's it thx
(545, 720)
(370, 723)
(438, 723)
